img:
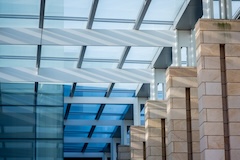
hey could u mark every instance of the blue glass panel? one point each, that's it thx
(49, 149)
(110, 117)
(49, 122)
(75, 134)
(97, 145)
(49, 88)
(20, 7)
(89, 94)
(80, 116)
(104, 129)
(78, 128)
(16, 149)
(114, 109)
(89, 91)
(17, 99)
(71, 147)
(50, 99)
(97, 135)
(118, 93)
(84, 108)
(16, 88)
(67, 90)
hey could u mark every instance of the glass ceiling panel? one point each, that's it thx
(111, 25)
(122, 94)
(79, 116)
(142, 53)
(68, 8)
(18, 55)
(91, 90)
(61, 51)
(18, 50)
(119, 9)
(78, 128)
(125, 86)
(154, 27)
(135, 66)
(75, 134)
(95, 147)
(60, 64)
(110, 117)
(20, 7)
(235, 7)
(104, 129)
(19, 23)
(120, 109)
(103, 52)
(99, 65)
(65, 24)
(164, 10)
(216, 13)
(84, 108)
(97, 135)
(16, 88)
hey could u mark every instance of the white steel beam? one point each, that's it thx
(100, 100)
(208, 9)
(96, 122)
(68, 75)
(89, 140)
(85, 37)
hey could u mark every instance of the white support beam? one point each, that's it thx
(114, 149)
(100, 100)
(124, 133)
(136, 113)
(96, 122)
(207, 9)
(225, 9)
(85, 37)
(68, 75)
(83, 155)
(89, 140)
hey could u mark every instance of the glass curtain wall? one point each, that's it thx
(31, 121)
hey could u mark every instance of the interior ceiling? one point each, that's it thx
(95, 14)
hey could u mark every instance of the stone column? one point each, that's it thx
(182, 114)
(123, 152)
(137, 138)
(218, 65)
(155, 115)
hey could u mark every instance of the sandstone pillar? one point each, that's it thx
(155, 115)
(218, 65)
(123, 152)
(137, 140)
(182, 114)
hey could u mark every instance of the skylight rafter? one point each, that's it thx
(81, 57)
(125, 54)
(41, 24)
(137, 25)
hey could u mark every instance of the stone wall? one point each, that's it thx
(218, 67)
(123, 152)
(182, 114)
(137, 137)
(155, 115)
